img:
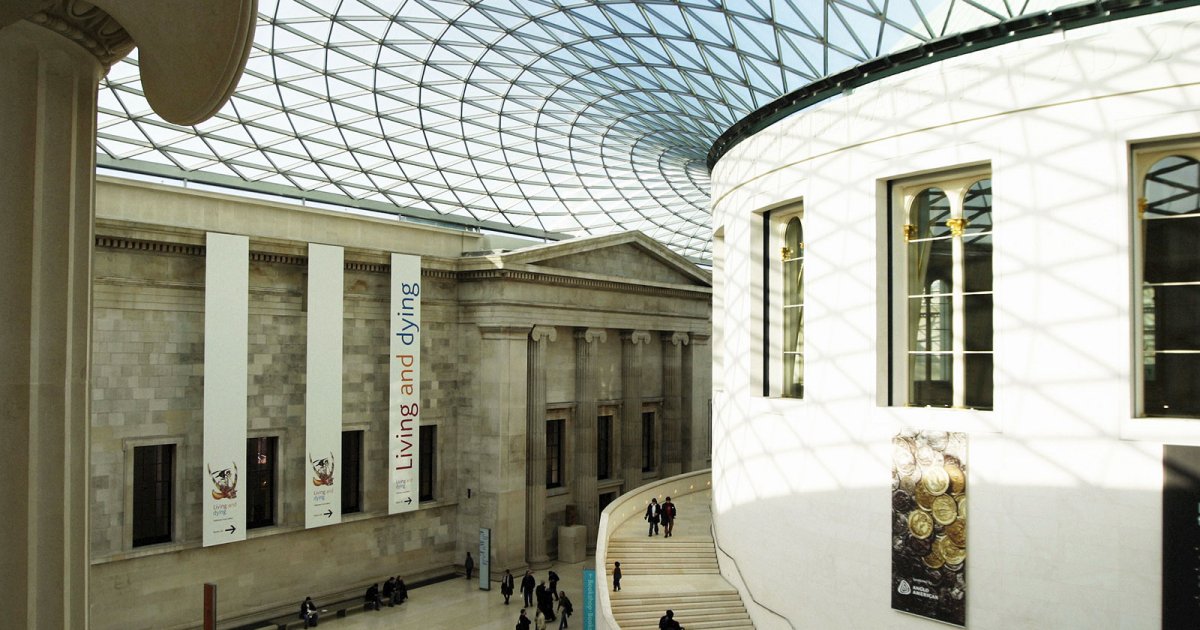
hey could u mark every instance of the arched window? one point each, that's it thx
(1169, 213)
(947, 317)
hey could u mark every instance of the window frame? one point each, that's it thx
(650, 442)
(177, 492)
(352, 473)
(604, 444)
(253, 468)
(172, 499)
(427, 460)
(556, 465)
(776, 255)
(902, 196)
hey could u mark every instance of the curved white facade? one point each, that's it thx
(1065, 476)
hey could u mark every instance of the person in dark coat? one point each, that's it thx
(667, 516)
(506, 586)
(553, 584)
(545, 602)
(616, 576)
(308, 612)
(371, 598)
(564, 609)
(667, 622)
(527, 584)
(389, 591)
(652, 514)
(469, 564)
(523, 621)
(401, 592)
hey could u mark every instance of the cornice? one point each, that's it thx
(583, 283)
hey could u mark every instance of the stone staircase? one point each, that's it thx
(678, 573)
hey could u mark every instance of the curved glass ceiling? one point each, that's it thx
(534, 117)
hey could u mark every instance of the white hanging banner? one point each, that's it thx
(226, 323)
(323, 398)
(404, 403)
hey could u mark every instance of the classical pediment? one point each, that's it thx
(625, 256)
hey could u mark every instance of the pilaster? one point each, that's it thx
(535, 441)
(633, 344)
(583, 481)
(672, 344)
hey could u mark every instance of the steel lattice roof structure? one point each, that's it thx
(531, 117)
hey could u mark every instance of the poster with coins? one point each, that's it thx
(929, 525)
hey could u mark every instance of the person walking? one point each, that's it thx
(667, 517)
(553, 584)
(539, 620)
(652, 513)
(616, 576)
(506, 586)
(564, 609)
(545, 602)
(527, 584)
(469, 564)
(523, 621)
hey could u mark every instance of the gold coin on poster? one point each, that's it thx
(934, 559)
(962, 507)
(957, 533)
(920, 524)
(952, 553)
(958, 480)
(935, 479)
(944, 509)
(924, 497)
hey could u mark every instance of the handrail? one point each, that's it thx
(742, 578)
(624, 507)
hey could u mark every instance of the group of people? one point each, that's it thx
(664, 514)
(543, 595)
(394, 592)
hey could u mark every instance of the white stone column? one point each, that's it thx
(583, 479)
(672, 366)
(48, 140)
(500, 502)
(633, 344)
(535, 445)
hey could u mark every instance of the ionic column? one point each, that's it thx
(583, 481)
(633, 343)
(672, 366)
(535, 446)
(695, 391)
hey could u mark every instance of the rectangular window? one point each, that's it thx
(649, 444)
(1167, 264)
(153, 493)
(942, 292)
(783, 308)
(260, 481)
(352, 471)
(604, 447)
(427, 455)
(554, 453)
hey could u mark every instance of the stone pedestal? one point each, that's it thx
(572, 543)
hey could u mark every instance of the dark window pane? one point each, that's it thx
(1172, 250)
(1173, 187)
(929, 320)
(260, 481)
(978, 321)
(1176, 323)
(1174, 389)
(352, 471)
(930, 211)
(153, 487)
(929, 380)
(648, 442)
(977, 262)
(977, 206)
(554, 452)
(930, 266)
(978, 394)
(604, 447)
(427, 471)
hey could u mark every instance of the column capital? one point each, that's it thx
(86, 25)
(543, 333)
(675, 338)
(636, 337)
(588, 335)
(699, 339)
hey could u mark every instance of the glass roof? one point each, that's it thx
(526, 116)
